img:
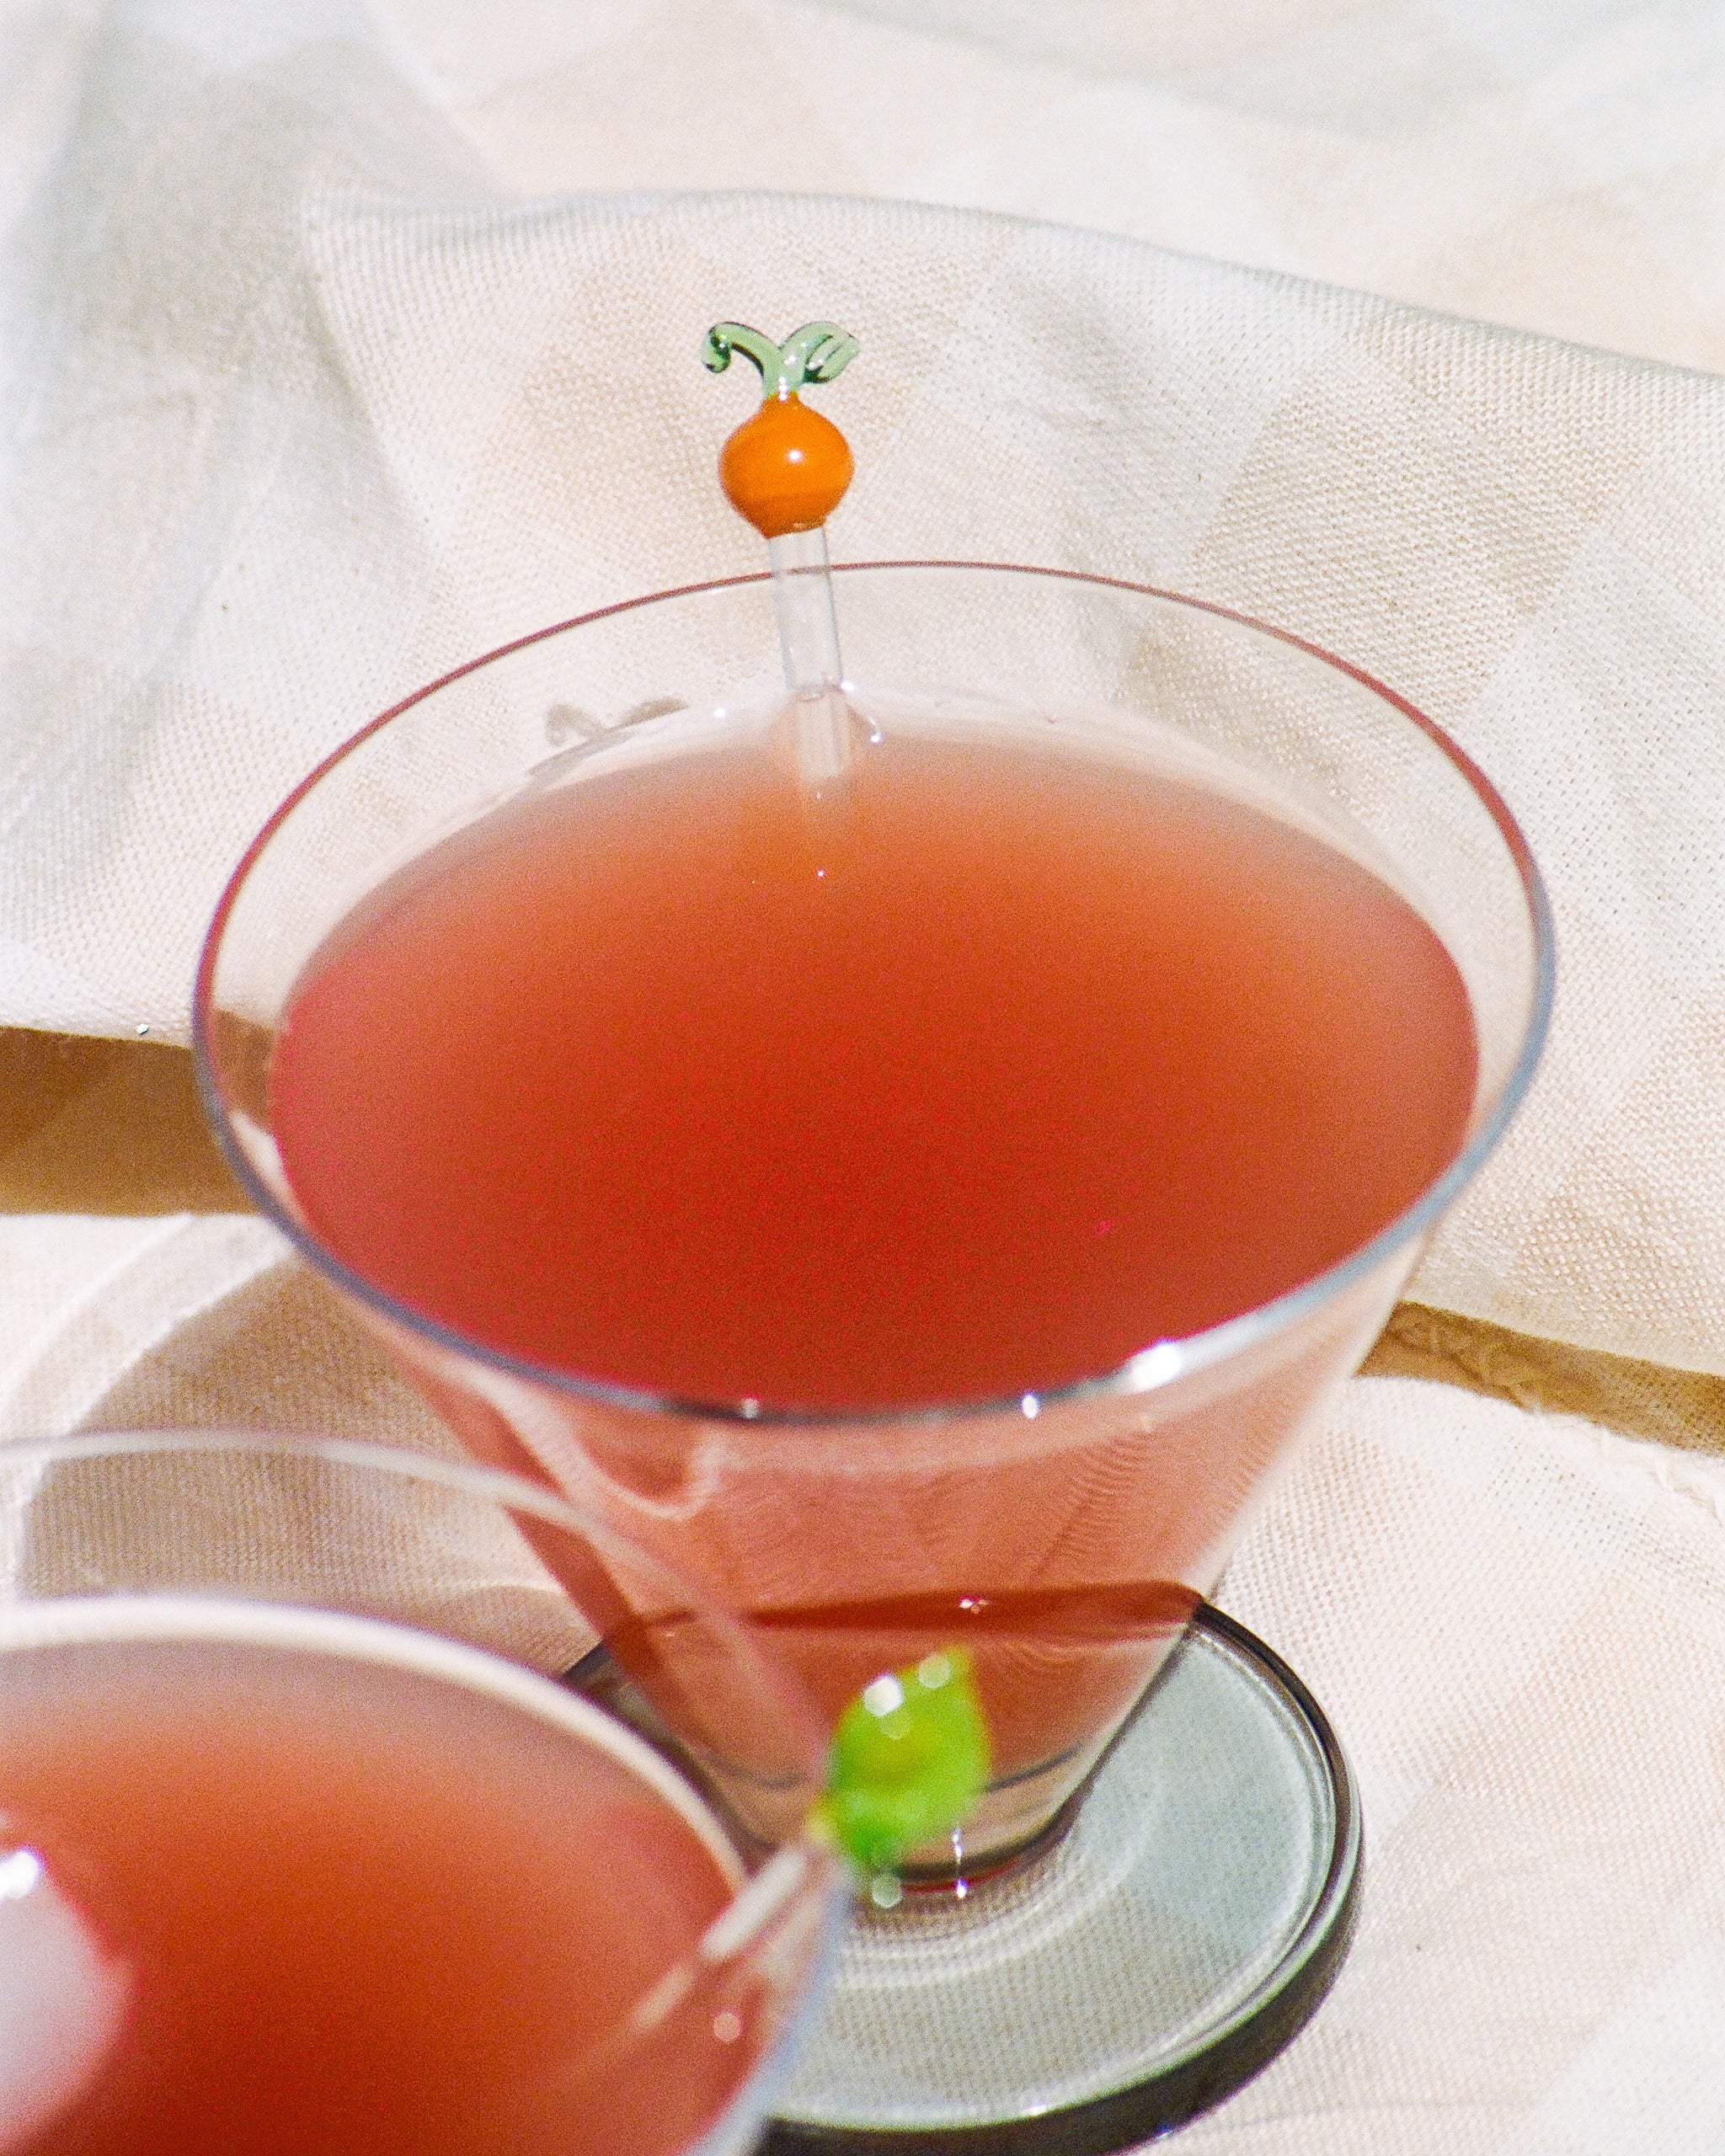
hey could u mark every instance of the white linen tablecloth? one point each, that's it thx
(342, 341)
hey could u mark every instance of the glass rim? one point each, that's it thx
(507, 1493)
(1151, 1368)
(466, 1477)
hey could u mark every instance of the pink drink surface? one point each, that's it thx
(1008, 1066)
(295, 1902)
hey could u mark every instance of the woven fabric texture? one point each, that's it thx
(310, 418)
(344, 341)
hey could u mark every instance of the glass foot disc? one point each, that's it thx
(1164, 1947)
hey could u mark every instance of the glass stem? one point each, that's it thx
(809, 640)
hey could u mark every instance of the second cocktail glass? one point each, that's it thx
(1063, 1523)
(304, 1845)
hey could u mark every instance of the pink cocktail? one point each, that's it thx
(929, 1207)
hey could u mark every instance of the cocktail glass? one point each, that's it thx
(1068, 1535)
(307, 1843)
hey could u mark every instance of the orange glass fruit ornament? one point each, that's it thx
(786, 469)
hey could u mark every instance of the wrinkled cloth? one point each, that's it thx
(312, 412)
(343, 343)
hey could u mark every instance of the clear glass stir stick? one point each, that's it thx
(785, 470)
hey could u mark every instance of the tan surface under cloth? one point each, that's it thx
(115, 1127)
(105, 1127)
(1637, 1399)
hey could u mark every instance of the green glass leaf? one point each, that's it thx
(909, 1759)
(819, 351)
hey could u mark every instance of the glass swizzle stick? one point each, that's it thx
(785, 470)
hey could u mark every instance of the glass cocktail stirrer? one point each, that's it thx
(786, 470)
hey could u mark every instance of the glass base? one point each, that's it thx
(1136, 1970)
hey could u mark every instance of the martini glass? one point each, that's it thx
(1158, 1883)
(307, 1843)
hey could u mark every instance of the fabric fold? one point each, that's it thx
(498, 419)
